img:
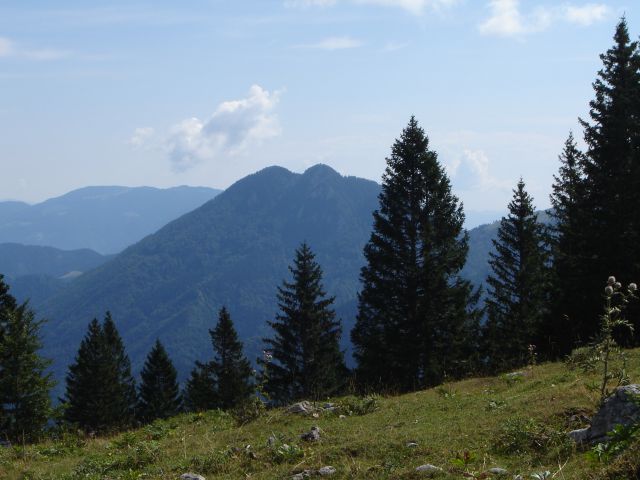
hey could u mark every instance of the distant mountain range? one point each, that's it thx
(104, 219)
(234, 250)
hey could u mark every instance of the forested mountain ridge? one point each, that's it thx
(105, 219)
(233, 251)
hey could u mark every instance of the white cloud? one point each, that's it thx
(394, 46)
(587, 14)
(6, 47)
(472, 170)
(507, 20)
(141, 136)
(10, 49)
(335, 43)
(416, 7)
(234, 125)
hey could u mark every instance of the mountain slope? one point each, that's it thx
(18, 260)
(104, 219)
(232, 251)
(466, 428)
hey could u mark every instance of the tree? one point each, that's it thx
(415, 323)
(159, 393)
(518, 285)
(610, 225)
(100, 391)
(230, 368)
(225, 381)
(25, 406)
(306, 361)
(566, 247)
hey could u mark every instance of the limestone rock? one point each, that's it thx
(312, 435)
(326, 471)
(191, 476)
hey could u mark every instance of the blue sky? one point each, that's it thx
(202, 92)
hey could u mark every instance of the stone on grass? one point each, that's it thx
(191, 476)
(428, 468)
(621, 408)
(326, 471)
(498, 471)
(312, 435)
(303, 407)
(412, 444)
(302, 475)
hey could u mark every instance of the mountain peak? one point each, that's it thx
(321, 170)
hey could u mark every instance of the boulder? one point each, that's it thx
(621, 408)
(500, 472)
(191, 476)
(428, 468)
(312, 435)
(301, 407)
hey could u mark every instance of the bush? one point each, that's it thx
(520, 436)
(358, 405)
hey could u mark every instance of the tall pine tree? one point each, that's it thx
(306, 358)
(100, 391)
(567, 252)
(415, 323)
(224, 382)
(610, 223)
(518, 286)
(159, 393)
(24, 384)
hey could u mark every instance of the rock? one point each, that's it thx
(412, 444)
(301, 407)
(302, 475)
(581, 435)
(329, 406)
(621, 408)
(191, 476)
(428, 468)
(326, 471)
(498, 471)
(517, 477)
(514, 375)
(271, 441)
(342, 416)
(312, 435)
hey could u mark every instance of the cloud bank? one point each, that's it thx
(415, 7)
(233, 126)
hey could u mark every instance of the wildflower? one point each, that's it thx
(611, 280)
(608, 290)
(633, 287)
(617, 285)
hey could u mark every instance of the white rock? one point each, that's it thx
(428, 468)
(191, 476)
(326, 471)
(498, 471)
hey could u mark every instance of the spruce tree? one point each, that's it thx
(100, 391)
(230, 368)
(25, 406)
(415, 324)
(159, 393)
(567, 253)
(224, 382)
(518, 285)
(305, 358)
(610, 224)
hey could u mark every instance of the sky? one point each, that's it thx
(205, 92)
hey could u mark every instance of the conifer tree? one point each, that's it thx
(305, 358)
(415, 323)
(224, 382)
(518, 285)
(230, 368)
(159, 393)
(610, 224)
(24, 384)
(567, 253)
(100, 391)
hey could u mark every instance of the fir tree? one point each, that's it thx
(610, 224)
(24, 384)
(159, 393)
(414, 325)
(305, 358)
(225, 381)
(100, 391)
(230, 368)
(200, 391)
(518, 285)
(567, 252)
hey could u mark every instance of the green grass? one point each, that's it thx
(464, 427)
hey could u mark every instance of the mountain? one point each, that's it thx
(104, 219)
(234, 251)
(19, 260)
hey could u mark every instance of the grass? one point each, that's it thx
(466, 428)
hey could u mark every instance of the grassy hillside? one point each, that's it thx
(517, 423)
